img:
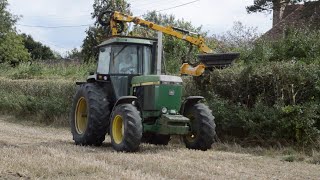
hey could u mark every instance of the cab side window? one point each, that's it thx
(104, 60)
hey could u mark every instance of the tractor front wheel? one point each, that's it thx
(202, 124)
(126, 128)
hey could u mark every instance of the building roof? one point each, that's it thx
(296, 16)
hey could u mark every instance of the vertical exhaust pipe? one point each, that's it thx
(159, 54)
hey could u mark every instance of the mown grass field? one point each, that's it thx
(35, 152)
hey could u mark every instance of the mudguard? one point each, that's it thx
(189, 101)
(125, 100)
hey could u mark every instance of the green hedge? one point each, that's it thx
(274, 102)
(45, 101)
(47, 70)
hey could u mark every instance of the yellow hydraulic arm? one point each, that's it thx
(198, 41)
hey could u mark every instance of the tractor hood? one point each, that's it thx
(158, 94)
(155, 79)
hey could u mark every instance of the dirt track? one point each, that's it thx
(28, 152)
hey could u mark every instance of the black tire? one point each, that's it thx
(97, 115)
(202, 127)
(156, 139)
(127, 136)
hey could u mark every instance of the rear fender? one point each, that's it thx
(189, 101)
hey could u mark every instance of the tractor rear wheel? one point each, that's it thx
(202, 132)
(156, 139)
(90, 115)
(126, 128)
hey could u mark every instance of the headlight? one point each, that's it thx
(164, 110)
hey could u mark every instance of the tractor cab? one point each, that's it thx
(122, 58)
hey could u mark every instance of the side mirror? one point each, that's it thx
(91, 73)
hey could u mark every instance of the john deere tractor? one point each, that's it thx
(127, 99)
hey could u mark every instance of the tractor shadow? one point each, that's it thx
(175, 144)
(154, 149)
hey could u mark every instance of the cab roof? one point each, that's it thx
(126, 39)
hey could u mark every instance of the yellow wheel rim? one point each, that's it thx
(117, 129)
(81, 118)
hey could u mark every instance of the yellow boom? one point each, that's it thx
(198, 41)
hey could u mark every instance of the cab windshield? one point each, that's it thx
(131, 59)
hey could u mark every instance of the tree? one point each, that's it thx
(96, 34)
(12, 49)
(7, 20)
(37, 50)
(277, 6)
(57, 55)
(94, 37)
(240, 36)
(269, 5)
(74, 54)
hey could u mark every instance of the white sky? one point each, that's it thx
(216, 16)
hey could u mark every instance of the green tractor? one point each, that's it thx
(127, 99)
